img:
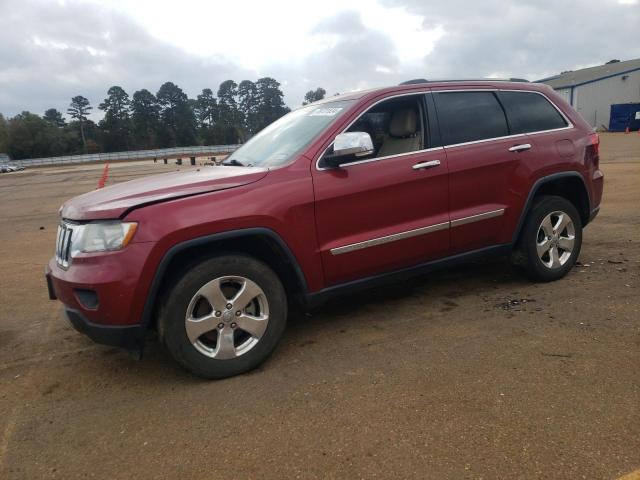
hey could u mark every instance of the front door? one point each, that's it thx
(389, 210)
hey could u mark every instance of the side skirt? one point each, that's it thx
(315, 299)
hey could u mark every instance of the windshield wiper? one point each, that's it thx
(232, 162)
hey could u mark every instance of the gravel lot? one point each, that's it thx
(468, 373)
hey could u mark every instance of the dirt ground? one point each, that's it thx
(468, 373)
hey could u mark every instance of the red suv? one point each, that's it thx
(348, 192)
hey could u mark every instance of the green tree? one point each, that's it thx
(206, 108)
(248, 105)
(178, 123)
(270, 102)
(78, 110)
(228, 104)
(145, 116)
(207, 117)
(4, 134)
(30, 136)
(314, 95)
(116, 124)
(146, 121)
(92, 135)
(54, 117)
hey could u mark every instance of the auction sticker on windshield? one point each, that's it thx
(325, 112)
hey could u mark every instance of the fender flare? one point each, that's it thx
(231, 234)
(534, 189)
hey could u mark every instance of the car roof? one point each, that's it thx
(439, 85)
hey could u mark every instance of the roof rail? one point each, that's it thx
(422, 80)
(415, 81)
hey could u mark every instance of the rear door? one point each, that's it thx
(387, 211)
(547, 129)
(552, 141)
(485, 162)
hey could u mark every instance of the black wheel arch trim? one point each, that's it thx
(534, 189)
(147, 313)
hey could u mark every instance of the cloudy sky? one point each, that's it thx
(51, 50)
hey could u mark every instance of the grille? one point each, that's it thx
(63, 244)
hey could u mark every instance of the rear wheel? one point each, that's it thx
(224, 316)
(551, 239)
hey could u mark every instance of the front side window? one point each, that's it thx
(470, 116)
(278, 143)
(395, 127)
(530, 112)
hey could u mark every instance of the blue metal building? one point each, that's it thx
(592, 91)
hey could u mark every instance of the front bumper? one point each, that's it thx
(104, 295)
(129, 337)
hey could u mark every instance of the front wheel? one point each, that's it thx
(551, 238)
(224, 316)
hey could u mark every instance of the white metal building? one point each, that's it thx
(592, 91)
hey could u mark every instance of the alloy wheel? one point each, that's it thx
(555, 239)
(227, 317)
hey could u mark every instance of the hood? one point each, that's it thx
(116, 200)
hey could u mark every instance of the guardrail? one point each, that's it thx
(160, 153)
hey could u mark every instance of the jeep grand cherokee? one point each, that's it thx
(352, 191)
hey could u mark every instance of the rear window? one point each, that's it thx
(530, 112)
(470, 116)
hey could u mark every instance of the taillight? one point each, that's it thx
(594, 138)
(592, 152)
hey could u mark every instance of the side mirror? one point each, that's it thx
(347, 144)
(352, 143)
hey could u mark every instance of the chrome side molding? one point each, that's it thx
(389, 238)
(477, 218)
(415, 232)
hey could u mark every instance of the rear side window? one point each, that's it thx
(470, 116)
(530, 112)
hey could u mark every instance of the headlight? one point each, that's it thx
(101, 236)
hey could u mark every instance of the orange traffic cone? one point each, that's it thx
(103, 178)
(626, 130)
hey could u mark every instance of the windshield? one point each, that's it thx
(277, 143)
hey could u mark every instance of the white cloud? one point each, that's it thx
(255, 34)
(51, 50)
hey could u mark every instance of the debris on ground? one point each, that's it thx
(514, 303)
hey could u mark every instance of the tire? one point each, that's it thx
(562, 235)
(196, 303)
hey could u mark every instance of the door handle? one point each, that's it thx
(520, 148)
(425, 165)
